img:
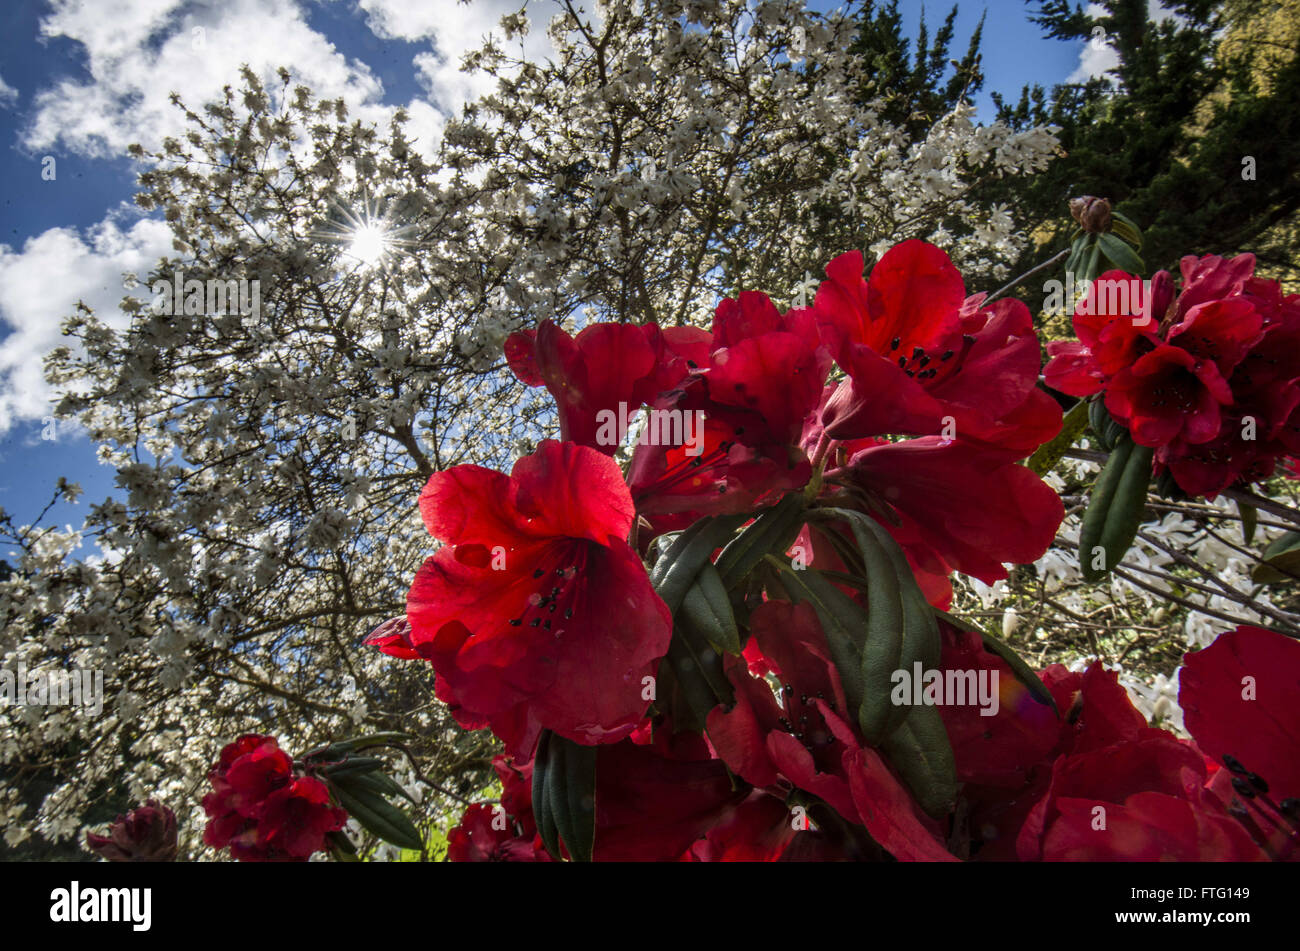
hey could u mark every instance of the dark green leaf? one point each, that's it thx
(376, 814)
(922, 755)
(564, 795)
(707, 611)
(1281, 561)
(1120, 254)
(771, 533)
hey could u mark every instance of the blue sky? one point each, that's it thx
(79, 79)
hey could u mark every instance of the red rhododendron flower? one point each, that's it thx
(1139, 800)
(1210, 378)
(655, 800)
(803, 740)
(145, 834)
(262, 810)
(758, 830)
(503, 833)
(487, 834)
(673, 486)
(999, 750)
(1123, 791)
(1241, 698)
(769, 364)
(1169, 393)
(607, 367)
(536, 613)
(1212, 277)
(918, 351)
(295, 818)
(1116, 322)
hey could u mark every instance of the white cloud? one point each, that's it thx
(1159, 13)
(139, 51)
(453, 30)
(8, 94)
(1098, 57)
(41, 284)
(1096, 60)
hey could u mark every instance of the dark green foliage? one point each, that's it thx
(1166, 141)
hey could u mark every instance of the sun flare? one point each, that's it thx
(369, 244)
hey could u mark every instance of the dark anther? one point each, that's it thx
(538, 573)
(902, 361)
(516, 622)
(568, 613)
(534, 622)
(1257, 782)
(547, 625)
(1242, 787)
(692, 364)
(1234, 764)
(1289, 806)
(947, 355)
(917, 351)
(551, 607)
(894, 344)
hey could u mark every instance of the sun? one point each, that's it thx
(366, 236)
(369, 244)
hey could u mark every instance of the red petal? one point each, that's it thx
(1241, 697)
(888, 812)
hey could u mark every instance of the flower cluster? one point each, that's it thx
(1209, 376)
(542, 623)
(751, 697)
(263, 809)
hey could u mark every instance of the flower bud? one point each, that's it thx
(1161, 297)
(1092, 213)
(145, 834)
